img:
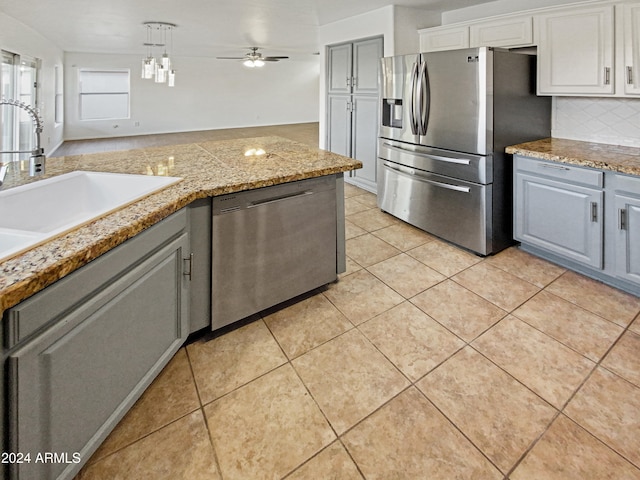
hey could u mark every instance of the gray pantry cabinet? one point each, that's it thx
(583, 218)
(352, 105)
(79, 353)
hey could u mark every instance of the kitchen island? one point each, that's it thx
(92, 316)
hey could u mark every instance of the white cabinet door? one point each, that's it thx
(339, 124)
(510, 32)
(631, 17)
(444, 38)
(627, 238)
(575, 51)
(363, 138)
(562, 218)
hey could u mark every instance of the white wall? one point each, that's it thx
(17, 38)
(209, 94)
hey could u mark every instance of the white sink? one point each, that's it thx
(33, 213)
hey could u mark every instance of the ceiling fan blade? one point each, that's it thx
(274, 59)
(230, 58)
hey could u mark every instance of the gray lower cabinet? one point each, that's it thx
(583, 218)
(560, 208)
(80, 353)
(626, 230)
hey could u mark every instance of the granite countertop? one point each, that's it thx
(585, 154)
(208, 169)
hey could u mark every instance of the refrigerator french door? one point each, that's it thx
(446, 118)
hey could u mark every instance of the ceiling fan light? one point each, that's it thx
(249, 63)
(258, 63)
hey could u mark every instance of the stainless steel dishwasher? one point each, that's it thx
(270, 245)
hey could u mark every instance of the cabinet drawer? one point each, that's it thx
(560, 171)
(28, 317)
(627, 183)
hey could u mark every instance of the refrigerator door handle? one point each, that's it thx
(422, 178)
(423, 85)
(459, 161)
(414, 98)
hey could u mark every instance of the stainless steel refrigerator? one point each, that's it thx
(446, 118)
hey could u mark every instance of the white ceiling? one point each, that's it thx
(205, 27)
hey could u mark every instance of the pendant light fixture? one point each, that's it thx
(158, 35)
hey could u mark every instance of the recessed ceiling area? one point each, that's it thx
(206, 28)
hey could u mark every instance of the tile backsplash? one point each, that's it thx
(603, 120)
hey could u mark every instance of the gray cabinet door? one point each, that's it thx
(339, 127)
(339, 59)
(627, 238)
(72, 383)
(561, 218)
(364, 130)
(366, 60)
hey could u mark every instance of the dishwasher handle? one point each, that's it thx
(279, 198)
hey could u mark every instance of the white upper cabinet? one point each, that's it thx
(576, 51)
(631, 16)
(444, 38)
(505, 32)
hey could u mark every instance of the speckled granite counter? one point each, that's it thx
(208, 169)
(586, 154)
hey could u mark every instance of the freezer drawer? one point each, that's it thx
(270, 245)
(455, 210)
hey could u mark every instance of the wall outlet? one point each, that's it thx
(137, 124)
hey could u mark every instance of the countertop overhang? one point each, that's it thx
(616, 158)
(208, 169)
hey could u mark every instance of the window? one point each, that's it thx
(104, 94)
(19, 82)
(59, 97)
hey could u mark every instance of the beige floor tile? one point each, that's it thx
(267, 428)
(635, 326)
(368, 198)
(224, 363)
(372, 219)
(352, 190)
(460, 310)
(352, 266)
(171, 396)
(585, 332)
(409, 439)
(499, 415)
(443, 257)
(543, 364)
(353, 205)
(180, 451)
(609, 407)
(368, 250)
(406, 275)
(526, 266)
(568, 452)
(306, 324)
(403, 236)
(349, 378)
(499, 287)
(352, 231)
(361, 296)
(333, 463)
(414, 342)
(608, 302)
(624, 358)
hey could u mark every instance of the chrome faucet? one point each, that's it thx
(37, 159)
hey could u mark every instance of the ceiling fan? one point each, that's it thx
(254, 58)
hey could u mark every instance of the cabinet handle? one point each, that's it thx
(189, 260)
(348, 81)
(594, 211)
(622, 218)
(629, 75)
(607, 75)
(354, 82)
